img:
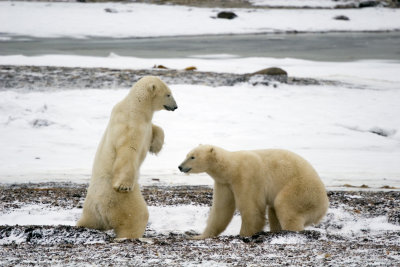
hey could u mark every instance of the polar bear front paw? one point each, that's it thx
(198, 237)
(122, 187)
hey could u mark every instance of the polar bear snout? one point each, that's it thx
(170, 108)
(184, 169)
(170, 103)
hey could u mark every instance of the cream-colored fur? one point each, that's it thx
(255, 181)
(114, 200)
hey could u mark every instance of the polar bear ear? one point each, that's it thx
(211, 150)
(152, 89)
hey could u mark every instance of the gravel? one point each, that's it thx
(58, 78)
(321, 246)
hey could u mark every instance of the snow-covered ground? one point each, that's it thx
(183, 218)
(303, 3)
(53, 135)
(350, 132)
(81, 20)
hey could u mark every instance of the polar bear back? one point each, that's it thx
(281, 168)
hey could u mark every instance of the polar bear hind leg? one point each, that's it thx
(274, 224)
(131, 219)
(90, 220)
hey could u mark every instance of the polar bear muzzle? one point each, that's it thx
(184, 169)
(170, 108)
(171, 104)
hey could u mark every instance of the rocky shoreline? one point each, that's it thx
(68, 245)
(53, 78)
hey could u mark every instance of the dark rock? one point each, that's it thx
(270, 71)
(346, 6)
(110, 10)
(368, 4)
(341, 17)
(226, 15)
(38, 123)
(394, 217)
(382, 132)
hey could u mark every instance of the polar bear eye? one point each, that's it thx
(168, 95)
(192, 157)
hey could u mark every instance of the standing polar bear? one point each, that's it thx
(114, 200)
(252, 180)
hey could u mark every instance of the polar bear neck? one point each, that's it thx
(139, 105)
(222, 166)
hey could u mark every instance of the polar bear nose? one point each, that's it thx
(184, 169)
(169, 108)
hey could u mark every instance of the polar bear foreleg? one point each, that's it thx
(157, 139)
(221, 212)
(124, 171)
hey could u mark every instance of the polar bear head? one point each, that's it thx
(198, 160)
(155, 92)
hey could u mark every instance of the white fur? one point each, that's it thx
(114, 200)
(255, 181)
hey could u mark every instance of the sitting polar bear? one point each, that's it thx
(252, 180)
(114, 200)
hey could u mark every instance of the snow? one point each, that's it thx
(53, 135)
(82, 20)
(183, 218)
(288, 240)
(349, 224)
(300, 3)
(180, 219)
(36, 214)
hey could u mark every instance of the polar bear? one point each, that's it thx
(253, 180)
(114, 200)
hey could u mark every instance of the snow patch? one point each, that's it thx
(342, 222)
(63, 150)
(288, 240)
(83, 20)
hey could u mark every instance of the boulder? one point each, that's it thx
(341, 17)
(191, 68)
(370, 3)
(110, 10)
(226, 15)
(271, 72)
(160, 67)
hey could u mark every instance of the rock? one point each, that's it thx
(341, 17)
(270, 71)
(38, 123)
(110, 10)
(190, 68)
(226, 15)
(346, 6)
(160, 67)
(368, 4)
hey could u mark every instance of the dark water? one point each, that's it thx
(312, 46)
